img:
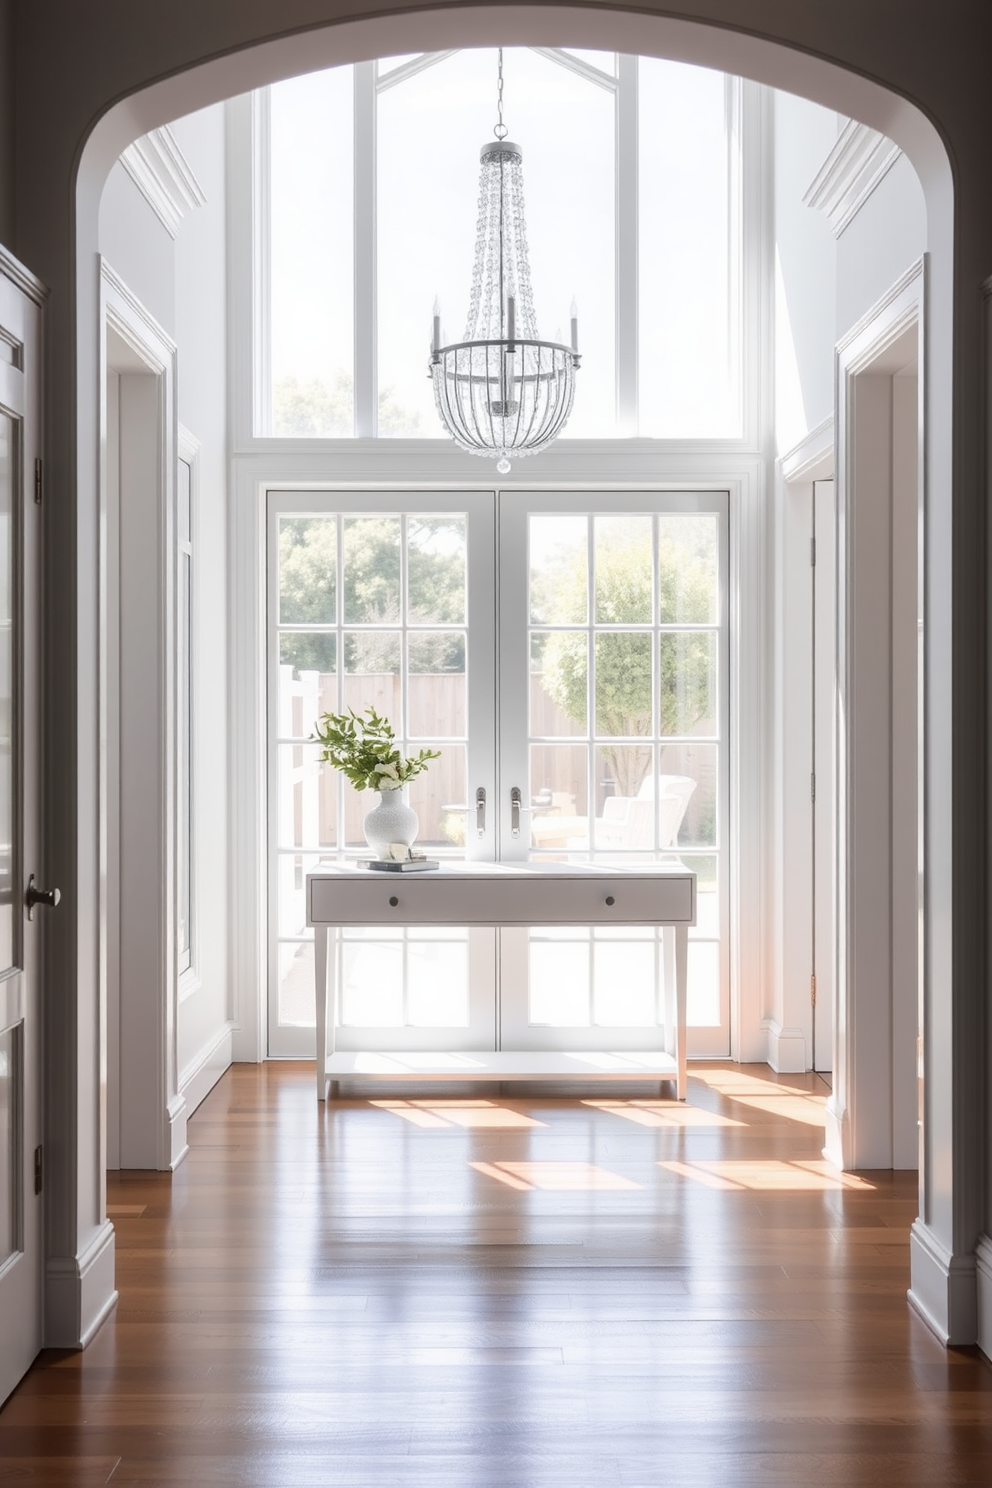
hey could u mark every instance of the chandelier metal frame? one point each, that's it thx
(503, 389)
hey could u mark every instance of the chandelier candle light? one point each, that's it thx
(502, 390)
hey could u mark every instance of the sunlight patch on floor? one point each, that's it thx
(662, 1113)
(736, 1082)
(809, 1109)
(770, 1175)
(768, 1096)
(449, 1113)
(563, 1177)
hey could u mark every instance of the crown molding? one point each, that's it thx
(850, 173)
(812, 457)
(164, 177)
(15, 271)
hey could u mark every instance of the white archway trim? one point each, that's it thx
(237, 72)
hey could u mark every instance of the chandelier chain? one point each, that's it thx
(501, 390)
(500, 129)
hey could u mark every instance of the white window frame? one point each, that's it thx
(744, 108)
(740, 466)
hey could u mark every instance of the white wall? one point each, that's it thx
(135, 244)
(181, 281)
(888, 234)
(824, 284)
(805, 272)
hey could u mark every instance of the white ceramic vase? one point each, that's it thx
(391, 821)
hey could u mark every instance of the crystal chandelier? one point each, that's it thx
(502, 390)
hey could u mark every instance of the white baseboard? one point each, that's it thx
(786, 1049)
(835, 1135)
(203, 1071)
(983, 1271)
(80, 1292)
(176, 1146)
(944, 1287)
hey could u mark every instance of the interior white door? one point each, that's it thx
(824, 765)
(21, 1158)
(614, 708)
(384, 599)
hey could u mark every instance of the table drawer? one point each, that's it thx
(524, 900)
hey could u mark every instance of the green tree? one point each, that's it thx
(623, 689)
(435, 589)
(314, 410)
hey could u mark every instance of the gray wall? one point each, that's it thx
(7, 84)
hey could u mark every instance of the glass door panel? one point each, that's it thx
(614, 705)
(381, 600)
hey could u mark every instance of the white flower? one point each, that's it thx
(388, 770)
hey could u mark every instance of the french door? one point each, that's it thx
(20, 682)
(613, 721)
(567, 653)
(387, 600)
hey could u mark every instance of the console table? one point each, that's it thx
(504, 894)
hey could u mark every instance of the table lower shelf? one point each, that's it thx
(509, 1064)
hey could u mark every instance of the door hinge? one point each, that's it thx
(39, 1169)
(812, 552)
(812, 990)
(39, 481)
(812, 787)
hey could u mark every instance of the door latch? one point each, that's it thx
(33, 896)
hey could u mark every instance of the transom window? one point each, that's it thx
(632, 170)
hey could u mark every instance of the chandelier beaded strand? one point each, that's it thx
(502, 390)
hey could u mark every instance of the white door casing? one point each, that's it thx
(823, 769)
(138, 730)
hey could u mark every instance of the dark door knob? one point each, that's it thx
(35, 896)
(610, 899)
(393, 900)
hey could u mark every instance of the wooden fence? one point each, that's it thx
(436, 703)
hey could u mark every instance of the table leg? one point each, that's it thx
(669, 1004)
(681, 984)
(320, 933)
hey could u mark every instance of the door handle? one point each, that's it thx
(480, 811)
(34, 896)
(515, 801)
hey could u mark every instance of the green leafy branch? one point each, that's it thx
(363, 747)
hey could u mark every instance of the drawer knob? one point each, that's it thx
(393, 900)
(610, 899)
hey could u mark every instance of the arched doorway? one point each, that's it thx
(766, 61)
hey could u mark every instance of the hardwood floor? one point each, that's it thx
(508, 1293)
